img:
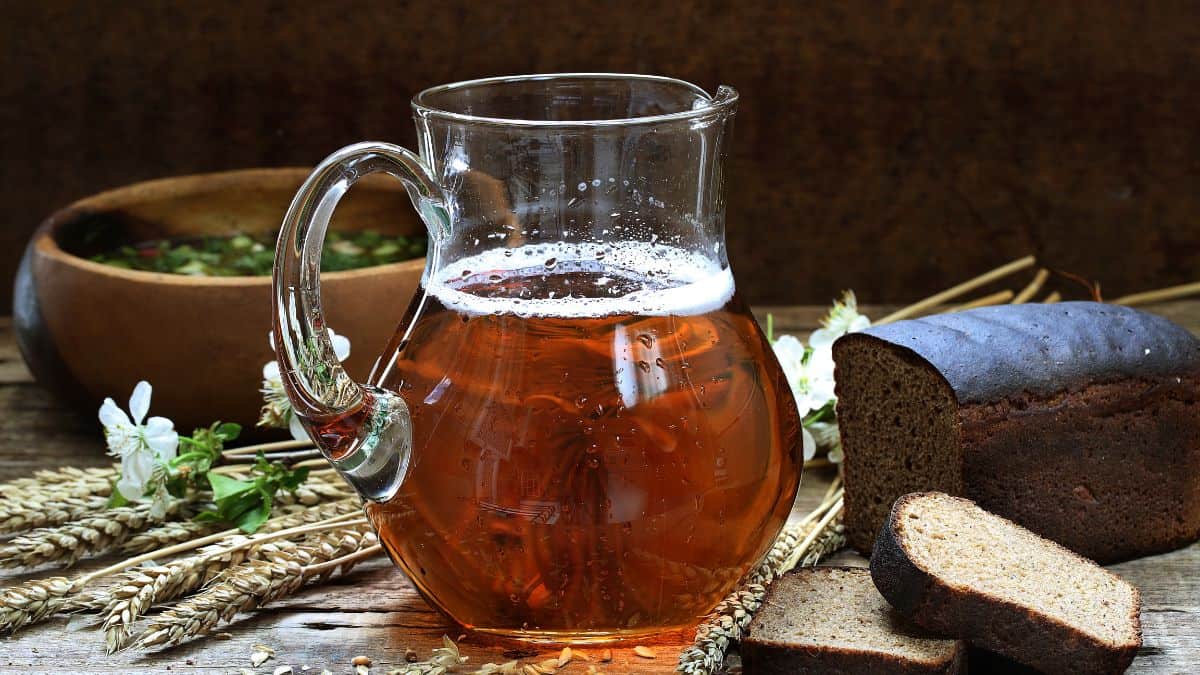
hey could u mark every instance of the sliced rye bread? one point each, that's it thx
(1077, 420)
(832, 620)
(958, 570)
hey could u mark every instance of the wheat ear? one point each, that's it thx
(95, 534)
(47, 510)
(138, 589)
(282, 570)
(60, 483)
(805, 543)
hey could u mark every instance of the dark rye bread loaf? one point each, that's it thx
(832, 620)
(960, 571)
(1077, 420)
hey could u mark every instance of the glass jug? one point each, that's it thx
(579, 432)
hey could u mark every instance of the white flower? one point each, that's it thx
(809, 373)
(810, 444)
(277, 409)
(144, 449)
(843, 318)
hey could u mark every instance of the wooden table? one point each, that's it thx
(375, 612)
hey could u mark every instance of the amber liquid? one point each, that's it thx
(592, 477)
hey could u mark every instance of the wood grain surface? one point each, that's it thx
(376, 612)
(910, 144)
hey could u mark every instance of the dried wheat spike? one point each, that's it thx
(65, 544)
(32, 601)
(64, 482)
(728, 621)
(138, 589)
(47, 510)
(280, 572)
(169, 534)
(314, 491)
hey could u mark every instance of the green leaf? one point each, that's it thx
(116, 499)
(251, 520)
(293, 479)
(224, 487)
(177, 486)
(228, 431)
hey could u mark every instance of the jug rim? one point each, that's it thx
(723, 101)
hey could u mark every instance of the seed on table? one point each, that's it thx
(361, 661)
(410, 655)
(644, 652)
(606, 656)
(565, 657)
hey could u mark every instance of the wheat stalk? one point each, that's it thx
(805, 543)
(64, 483)
(138, 589)
(32, 601)
(95, 534)
(47, 510)
(171, 533)
(281, 571)
(286, 504)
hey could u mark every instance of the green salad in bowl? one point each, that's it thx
(242, 255)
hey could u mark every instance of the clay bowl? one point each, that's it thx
(89, 330)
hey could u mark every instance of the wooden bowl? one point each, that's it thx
(89, 330)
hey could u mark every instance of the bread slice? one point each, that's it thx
(832, 620)
(958, 570)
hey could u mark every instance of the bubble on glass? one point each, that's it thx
(595, 182)
(581, 186)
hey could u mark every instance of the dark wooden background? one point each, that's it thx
(893, 147)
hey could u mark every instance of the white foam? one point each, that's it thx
(697, 284)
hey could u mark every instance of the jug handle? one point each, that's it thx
(364, 432)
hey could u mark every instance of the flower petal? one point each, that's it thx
(271, 371)
(139, 402)
(298, 431)
(161, 437)
(111, 415)
(130, 489)
(137, 468)
(341, 345)
(810, 444)
(823, 338)
(158, 508)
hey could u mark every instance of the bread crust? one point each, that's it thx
(993, 623)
